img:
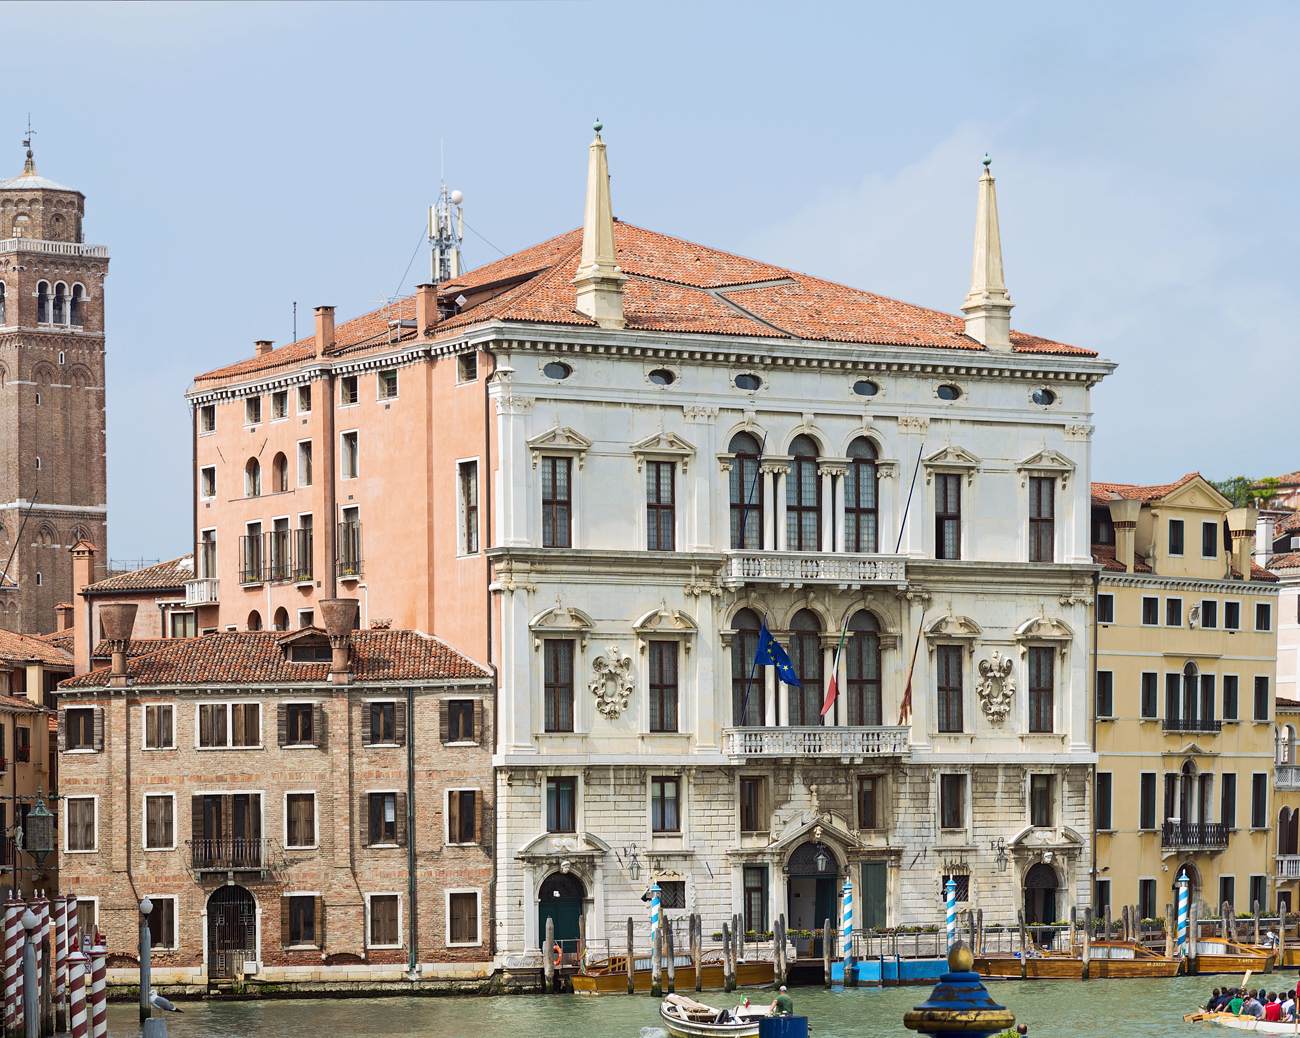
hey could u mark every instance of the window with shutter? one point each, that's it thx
(459, 720)
(462, 816)
(382, 923)
(399, 725)
(298, 920)
(79, 729)
(300, 820)
(80, 823)
(462, 917)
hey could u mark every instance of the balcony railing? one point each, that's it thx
(1287, 776)
(1191, 724)
(1288, 866)
(229, 853)
(816, 742)
(201, 591)
(56, 248)
(812, 567)
(1190, 836)
(348, 558)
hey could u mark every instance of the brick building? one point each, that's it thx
(284, 799)
(52, 482)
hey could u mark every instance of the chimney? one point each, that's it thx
(988, 306)
(118, 618)
(426, 308)
(63, 616)
(340, 619)
(1124, 516)
(262, 346)
(598, 281)
(83, 574)
(1265, 535)
(324, 330)
(1241, 528)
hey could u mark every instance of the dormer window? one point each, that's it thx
(309, 652)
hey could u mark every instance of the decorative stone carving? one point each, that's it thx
(663, 446)
(952, 459)
(1078, 432)
(612, 684)
(697, 589)
(996, 686)
(913, 424)
(559, 440)
(693, 413)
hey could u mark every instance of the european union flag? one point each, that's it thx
(770, 654)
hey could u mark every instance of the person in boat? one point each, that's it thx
(1273, 1009)
(1288, 1006)
(1270, 940)
(1235, 1002)
(1213, 1004)
(783, 1004)
(1252, 1006)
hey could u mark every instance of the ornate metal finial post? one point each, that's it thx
(959, 1006)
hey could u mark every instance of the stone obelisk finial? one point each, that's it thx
(599, 282)
(988, 305)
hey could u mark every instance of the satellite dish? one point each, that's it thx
(457, 198)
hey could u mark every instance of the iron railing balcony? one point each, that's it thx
(792, 568)
(1192, 724)
(816, 741)
(301, 563)
(1287, 777)
(230, 853)
(1194, 836)
(348, 551)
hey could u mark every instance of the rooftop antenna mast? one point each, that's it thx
(446, 232)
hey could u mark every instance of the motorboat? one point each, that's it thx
(684, 1017)
(609, 975)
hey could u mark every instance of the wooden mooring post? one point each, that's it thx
(548, 957)
(979, 929)
(631, 956)
(1169, 929)
(670, 954)
(737, 941)
(1254, 907)
(1086, 954)
(697, 939)
(828, 951)
(728, 984)
(1024, 947)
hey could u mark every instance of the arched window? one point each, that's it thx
(254, 621)
(803, 509)
(279, 474)
(863, 650)
(281, 620)
(746, 494)
(1191, 696)
(861, 516)
(252, 478)
(42, 302)
(2, 302)
(77, 306)
(748, 700)
(60, 303)
(806, 654)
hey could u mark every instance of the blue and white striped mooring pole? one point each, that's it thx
(950, 921)
(846, 924)
(656, 910)
(1183, 949)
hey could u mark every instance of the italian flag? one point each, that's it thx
(833, 689)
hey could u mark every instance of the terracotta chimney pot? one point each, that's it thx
(426, 307)
(262, 346)
(324, 329)
(118, 619)
(340, 618)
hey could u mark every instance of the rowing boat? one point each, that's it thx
(1220, 955)
(1114, 960)
(1240, 1023)
(686, 1018)
(1044, 966)
(609, 976)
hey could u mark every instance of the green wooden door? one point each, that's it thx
(874, 895)
(565, 912)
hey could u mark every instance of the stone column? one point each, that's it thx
(770, 689)
(838, 509)
(767, 534)
(782, 691)
(827, 474)
(780, 489)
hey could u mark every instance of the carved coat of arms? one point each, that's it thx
(612, 683)
(996, 686)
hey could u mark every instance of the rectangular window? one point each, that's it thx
(460, 721)
(663, 686)
(208, 481)
(381, 819)
(1209, 614)
(1150, 611)
(665, 805)
(182, 624)
(1258, 892)
(561, 805)
(207, 419)
(467, 367)
(250, 554)
(672, 893)
(467, 481)
(462, 816)
(1259, 801)
(1230, 697)
(1261, 698)
(299, 726)
(1105, 609)
(1175, 536)
(1173, 696)
(1209, 540)
(159, 726)
(1102, 897)
(79, 814)
(557, 503)
(1228, 800)
(1227, 893)
(1103, 795)
(300, 820)
(79, 728)
(952, 801)
(302, 921)
(304, 399)
(1042, 684)
(252, 410)
(1150, 696)
(1263, 616)
(754, 816)
(1042, 518)
(949, 662)
(386, 382)
(961, 886)
(206, 563)
(1173, 612)
(1041, 795)
(462, 917)
(755, 879)
(162, 922)
(382, 925)
(1147, 800)
(1147, 899)
(279, 404)
(348, 391)
(1232, 616)
(350, 458)
(1105, 694)
(225, 725)
(304, 463)
(947, 516)
(869, 802)
(661, 509)
(558, 684)
(382, 727)
(159, 823)
(349, 543)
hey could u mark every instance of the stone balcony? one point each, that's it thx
(1288, 866)
(1193, 836)
(1286, 777)
(201, 591)
(54, 248)
(816, 742)
(792, 568)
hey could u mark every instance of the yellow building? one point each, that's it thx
(1186, 655)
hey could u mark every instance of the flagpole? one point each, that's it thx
(907, 507)
(744, 523)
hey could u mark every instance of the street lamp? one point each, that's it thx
(38, 831)
(823, 860)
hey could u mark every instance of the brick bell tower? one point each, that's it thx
(53, 488)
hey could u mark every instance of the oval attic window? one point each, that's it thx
(557, 370)
(748, 381)
(662, 377)
(865, 387)
(948, 391)
(1044, 397)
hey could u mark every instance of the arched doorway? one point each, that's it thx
(1193, 886)
(1041, 889)
(232, 931)
(561, 898)
(812, 891)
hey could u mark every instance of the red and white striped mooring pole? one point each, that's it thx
(77, 1020)
(13, 964)
(99, 989)
(60, 963)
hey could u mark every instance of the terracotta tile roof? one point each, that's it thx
(137, 647)
(1104, 555)
(59, 639)
(20, 648)
(258, 658)
(1258, 572)
(1285, 560)
(20, 705)
(1288, 524)
(164, 576)
(673, 286)
(1138, 491)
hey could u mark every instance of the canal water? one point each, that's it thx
(1108, 1009)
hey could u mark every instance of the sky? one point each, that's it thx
(236, 158)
